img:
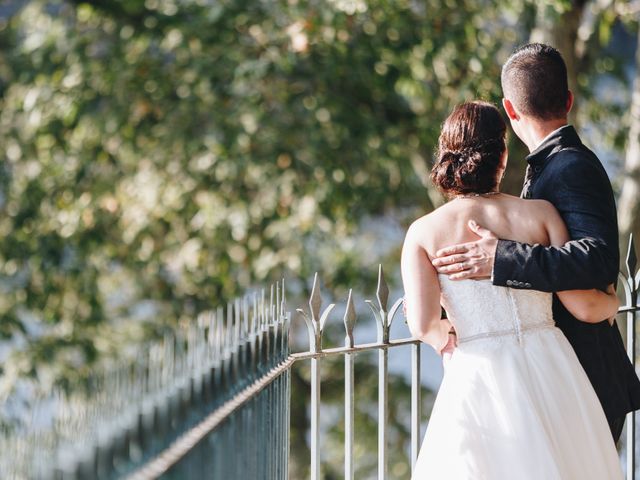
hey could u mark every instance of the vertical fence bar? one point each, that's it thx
(349, 323)
(284, 393)
(275, 425)
(315, 419)
(631, 291)
(383, 413)
(415, 404)
(383, 322)
(272, 388)
(315, 326)
(631, 416)
(287, 404)
(348, 417)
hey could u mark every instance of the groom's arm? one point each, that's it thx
(580, 190)
(577, 185)
(578, 265)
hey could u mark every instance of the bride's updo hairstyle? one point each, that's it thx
(470, 147)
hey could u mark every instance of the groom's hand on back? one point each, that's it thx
(469, 260)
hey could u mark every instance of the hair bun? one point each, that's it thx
(452, 156)
(461, 156)
(470, 148)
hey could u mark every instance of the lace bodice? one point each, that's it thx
(480, 310)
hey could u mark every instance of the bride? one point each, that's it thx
(515, 402)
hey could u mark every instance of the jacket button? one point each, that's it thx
(509, 283)
(537, 169)
(528, 285)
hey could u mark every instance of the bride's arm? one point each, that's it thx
(591, 306)
(422, 294)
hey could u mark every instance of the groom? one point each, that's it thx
(566, 173)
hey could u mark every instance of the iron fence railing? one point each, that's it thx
(145, 418)
(631, 284)
(213, 400)
(384, 318)
(172, 458)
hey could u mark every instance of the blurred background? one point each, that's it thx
(159, 157)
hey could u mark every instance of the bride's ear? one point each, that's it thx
(510, 109)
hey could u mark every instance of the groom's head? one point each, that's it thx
(534, 81)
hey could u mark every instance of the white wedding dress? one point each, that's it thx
(514, 404)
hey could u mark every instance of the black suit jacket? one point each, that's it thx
(570, 176)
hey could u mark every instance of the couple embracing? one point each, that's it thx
(537, 384)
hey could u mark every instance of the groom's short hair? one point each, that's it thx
(534, 78)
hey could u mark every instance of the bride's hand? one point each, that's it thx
(449, 347)
(451, 344)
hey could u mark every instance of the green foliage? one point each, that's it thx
(177, 155)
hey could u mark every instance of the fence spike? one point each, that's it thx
(263, 306)
(245, 316)
(236, 326)
(374, 310)
(229, 329)
(283, 300)
(383, 321)
(219, 333)
(350, 319)
(382, 292)
(394, 309)
(254, 320)
(315, 321)
(325, 315)
(271, 314)
(315, 302)
(632, 259)
(276, 303)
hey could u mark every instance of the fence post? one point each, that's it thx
(630, 284)
(383, 323)
(315, 326)
(349, 323)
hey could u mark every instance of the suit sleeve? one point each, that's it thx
(579, 188)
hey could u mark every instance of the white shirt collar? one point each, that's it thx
(552, 133)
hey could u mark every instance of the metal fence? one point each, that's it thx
(269, 449)
(213, 400)
(174, 410)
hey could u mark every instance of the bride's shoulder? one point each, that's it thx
(422, 227)
(421, 223)
(433, 217)
(425, 230)
(542, 211)
(545, 207)
(535, 204)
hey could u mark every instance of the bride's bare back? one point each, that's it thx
(529, 221)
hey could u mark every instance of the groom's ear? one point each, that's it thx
(510, 109)
(569, 100)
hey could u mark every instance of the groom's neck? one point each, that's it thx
(535, 131)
